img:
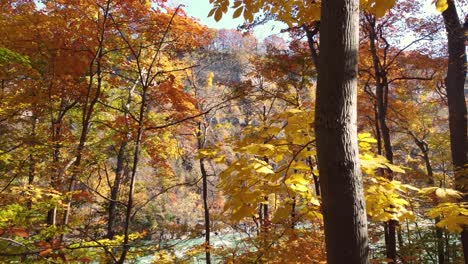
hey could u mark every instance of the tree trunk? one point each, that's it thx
(55, 173)
(206, 208)
(336, 131)
(32, 159)
(206, 211)
(423, 146)
(455, 82)
(136, 160)
(440, 243)
(112, 210)
(119, 171)
(381, 86)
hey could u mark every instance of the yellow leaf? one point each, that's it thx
(447, 193)
(297, 179)
(282, 213)
(299, 187)
(265, 169)
(441, 5)
(382, 6)
(394, 168)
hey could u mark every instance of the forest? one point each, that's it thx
(130, 132)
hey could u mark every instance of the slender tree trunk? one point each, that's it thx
(55, 174)
(377, 131)
(119, 173)
(400, 237)
(293, 213)
(423, 146)
(381, 87)
(440, 243)
(88, 109)
(455, 82)
(119, 170)
(32, 159)
(136, 160)
(336, 131)
(314, 177)
(447, 247)
(206, 208)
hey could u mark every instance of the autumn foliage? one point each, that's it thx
(128, 130)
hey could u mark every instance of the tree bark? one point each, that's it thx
(454, 83)
(424, 147)
(336, 131)
(119, 173)
(381, 87)
(206, 209)
(91, 99)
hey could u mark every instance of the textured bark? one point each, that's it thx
(336, 131)
(454, 83)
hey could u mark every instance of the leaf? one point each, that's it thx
(299, 187)
(211, 12)
(45, 252)
(264, 170)
(441, 5)
(382, 6)
(366, 137)
(218, 15)
(297, 179)
(447, 193)
(248, 15)
(394, 168)
(282, 213)
(238, 12)
(21, 232)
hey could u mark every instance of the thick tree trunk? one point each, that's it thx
(335, 124)
(455, 82)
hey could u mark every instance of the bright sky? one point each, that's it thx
(200, 8)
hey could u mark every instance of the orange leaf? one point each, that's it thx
(21, 232)
(45, 252)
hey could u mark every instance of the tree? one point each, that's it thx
(336, 131)
(455, 86)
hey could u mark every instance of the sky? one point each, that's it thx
(200, 8)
